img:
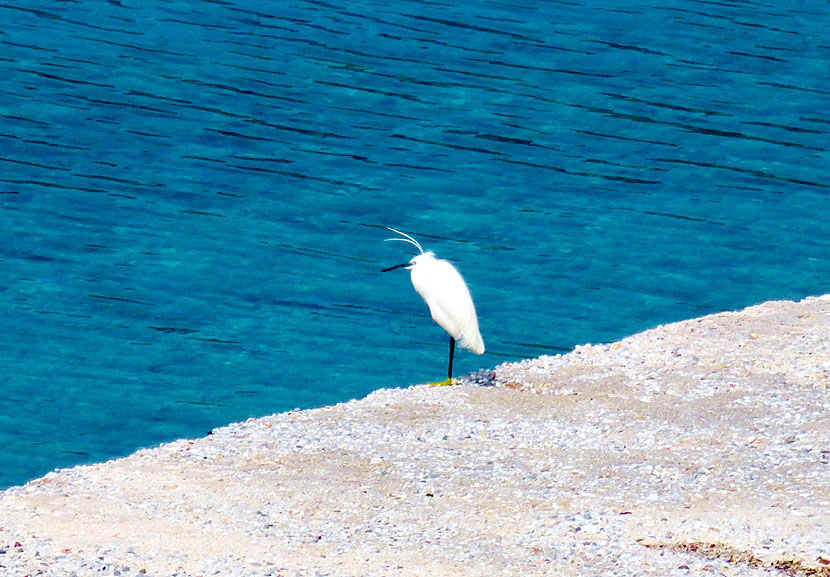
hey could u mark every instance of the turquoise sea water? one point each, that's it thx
(193, 194)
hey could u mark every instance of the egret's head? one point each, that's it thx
(416, 259)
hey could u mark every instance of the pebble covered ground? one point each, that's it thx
(696, 448)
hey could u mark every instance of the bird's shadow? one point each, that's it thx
(482, 378)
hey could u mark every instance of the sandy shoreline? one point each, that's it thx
(701, 447)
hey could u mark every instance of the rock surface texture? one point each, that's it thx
(696, 448)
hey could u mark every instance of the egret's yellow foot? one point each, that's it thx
(444, 383)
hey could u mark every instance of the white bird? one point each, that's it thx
(442, 287)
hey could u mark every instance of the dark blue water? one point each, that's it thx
(193, 194)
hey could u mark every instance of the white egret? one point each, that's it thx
(442, 287)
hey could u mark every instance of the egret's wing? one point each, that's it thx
(449, 301)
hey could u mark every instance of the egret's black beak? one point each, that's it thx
(396, 266)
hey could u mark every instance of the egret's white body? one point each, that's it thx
(443, 289)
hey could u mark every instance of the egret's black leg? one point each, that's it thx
(452, 352)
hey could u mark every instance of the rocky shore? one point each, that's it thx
(696, 448)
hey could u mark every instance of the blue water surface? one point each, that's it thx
(193, 194)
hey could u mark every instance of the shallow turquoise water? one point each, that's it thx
(193, 194)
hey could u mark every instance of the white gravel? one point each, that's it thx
(697, 448)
